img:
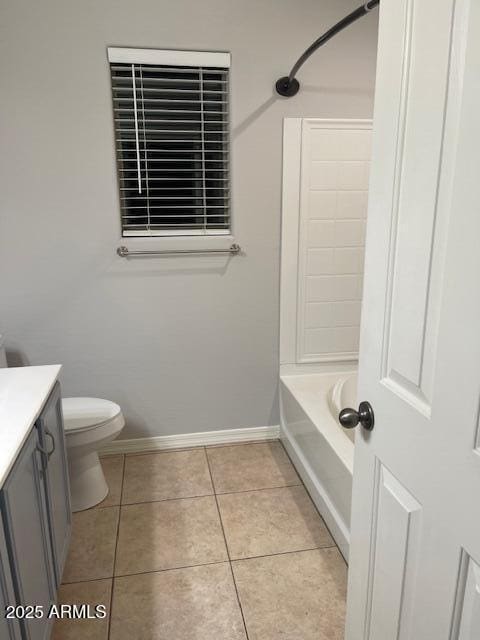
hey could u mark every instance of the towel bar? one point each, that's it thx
(125, 252)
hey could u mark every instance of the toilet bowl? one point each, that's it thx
(89, 424)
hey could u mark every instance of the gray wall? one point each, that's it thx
(183, 345)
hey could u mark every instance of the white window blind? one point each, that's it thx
(172, 141)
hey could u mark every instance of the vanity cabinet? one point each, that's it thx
(36, 518)
(9, 629)
(55, 472)
(28, 538)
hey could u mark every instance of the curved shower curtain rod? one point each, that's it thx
(288, 85)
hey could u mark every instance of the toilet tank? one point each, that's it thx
(3, 355)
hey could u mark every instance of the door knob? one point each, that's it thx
(349, 418)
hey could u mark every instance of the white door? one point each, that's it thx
(415, 542)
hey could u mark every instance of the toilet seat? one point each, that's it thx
(82, 414)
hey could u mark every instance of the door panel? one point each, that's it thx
(415, 206)
(420, 196)
(51, 435)
(395, 541)
(466, 624)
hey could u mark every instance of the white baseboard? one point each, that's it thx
(186, 440)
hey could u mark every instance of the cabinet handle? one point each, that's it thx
(49, 433)
(42, 450)
(47, 454)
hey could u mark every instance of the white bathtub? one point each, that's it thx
(321, 449)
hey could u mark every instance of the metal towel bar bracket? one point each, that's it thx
(124, 252)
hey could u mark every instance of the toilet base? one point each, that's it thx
(88, 486)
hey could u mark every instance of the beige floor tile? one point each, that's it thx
(91, 593)
(92, 548)
(159, 476)
(293, 596)
(169, 534)
(198, 603)
(251, 466)
(113, 469)
(258, 523)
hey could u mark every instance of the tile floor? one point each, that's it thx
(217, 543)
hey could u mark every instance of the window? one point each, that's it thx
(172, 141)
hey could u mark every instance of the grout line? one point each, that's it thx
(280, 486)
(202, 564)
(207, 495)
(89, 580)
(285, 553)
(110, 608)
(141, 573)
(228, 550)
(219, 515)
(100, 506)
(184, 566)
(116, 546)
(212, 483)
(131, 504)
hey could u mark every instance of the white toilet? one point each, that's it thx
(89, 424)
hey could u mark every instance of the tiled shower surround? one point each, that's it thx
(335, 163)
(221, 543)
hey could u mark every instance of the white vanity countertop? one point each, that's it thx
(23, 392)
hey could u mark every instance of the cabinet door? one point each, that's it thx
(54, 460)
(28, 538)
(9, 629)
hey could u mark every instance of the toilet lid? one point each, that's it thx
(85, 413)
